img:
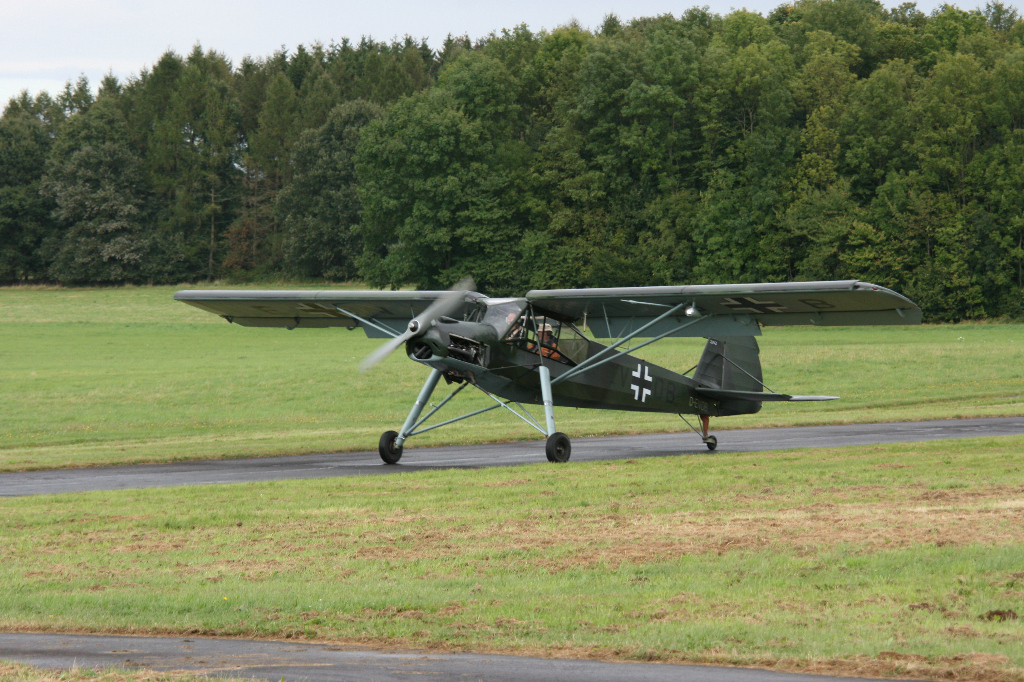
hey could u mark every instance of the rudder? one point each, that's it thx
(730, 363)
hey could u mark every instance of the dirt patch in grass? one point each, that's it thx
(974, 666)
(952, 517)
(561, 539)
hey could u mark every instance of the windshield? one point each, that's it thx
(501, 314)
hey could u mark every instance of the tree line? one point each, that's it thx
(831, 139)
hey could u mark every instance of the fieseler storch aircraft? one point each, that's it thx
(533, 350)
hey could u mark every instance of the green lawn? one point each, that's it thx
(16, 672)
(869, 560)
(119, 375)
(888, 560)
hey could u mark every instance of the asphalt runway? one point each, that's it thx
(500, 454)
(271, 660)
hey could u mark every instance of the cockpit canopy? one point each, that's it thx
(501, 313)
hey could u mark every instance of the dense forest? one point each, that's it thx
(831, 139)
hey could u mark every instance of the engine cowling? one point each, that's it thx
(464, 341)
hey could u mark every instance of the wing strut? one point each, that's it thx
(381, 327)
(597, 360)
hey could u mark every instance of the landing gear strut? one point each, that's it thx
(557, 448)
(391, 442)
(705, 422)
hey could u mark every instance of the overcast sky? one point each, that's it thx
(44, 43)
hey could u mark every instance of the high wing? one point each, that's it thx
(384, 311)
(725, 309)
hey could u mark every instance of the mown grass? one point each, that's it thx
(16, 672)
(895, 559)
(122, 375)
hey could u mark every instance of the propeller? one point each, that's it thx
(443, 306)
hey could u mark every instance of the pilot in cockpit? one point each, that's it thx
(548, 343)
(516, 329)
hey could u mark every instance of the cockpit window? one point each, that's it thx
(551, 339)
(502, 315)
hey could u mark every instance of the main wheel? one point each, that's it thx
(389, 452)
(711, 442)
(558, 447)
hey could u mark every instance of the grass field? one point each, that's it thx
(899, 559)
(14, 672)
(120, 375)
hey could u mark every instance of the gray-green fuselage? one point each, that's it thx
(507, 368)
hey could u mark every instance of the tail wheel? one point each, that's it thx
(558, 447)
(389, 452)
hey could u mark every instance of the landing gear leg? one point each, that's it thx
(391, 443)
(705, 423)
(558, 448)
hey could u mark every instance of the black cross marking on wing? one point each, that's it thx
(750, 305)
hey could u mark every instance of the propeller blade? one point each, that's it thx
(441, 307)
(383, 351)
(446, 304)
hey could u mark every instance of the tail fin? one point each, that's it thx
(731, 363)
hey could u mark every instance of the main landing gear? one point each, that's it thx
(557, 448)
(389, 451)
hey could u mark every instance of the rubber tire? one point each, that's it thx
(711, 442)
(388, 452)
(558, 447)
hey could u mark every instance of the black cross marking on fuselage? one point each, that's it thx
(640, 392)
(741, 304)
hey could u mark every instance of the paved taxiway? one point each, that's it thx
(271, 660)
(500, 454)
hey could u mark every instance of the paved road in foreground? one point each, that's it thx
(270, 660)
(500, 454)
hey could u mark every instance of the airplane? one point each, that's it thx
(534, 350)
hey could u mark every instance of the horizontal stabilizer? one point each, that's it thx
(761, 397)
